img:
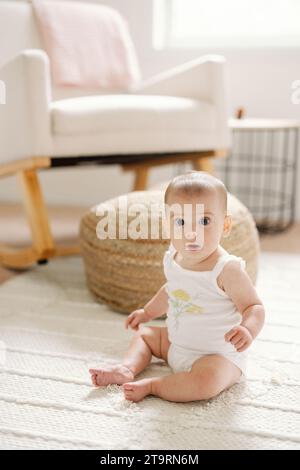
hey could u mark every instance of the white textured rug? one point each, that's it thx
(53, 330)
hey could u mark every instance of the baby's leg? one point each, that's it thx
(209, 376)
(146, 341)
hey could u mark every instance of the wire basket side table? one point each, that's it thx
(261, 169)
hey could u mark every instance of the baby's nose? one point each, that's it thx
(191, 235)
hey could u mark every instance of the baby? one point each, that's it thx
(213, 310)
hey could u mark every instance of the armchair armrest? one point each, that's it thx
(25, 117)
(191, 79)
(203, 78)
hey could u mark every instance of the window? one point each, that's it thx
(226, 23)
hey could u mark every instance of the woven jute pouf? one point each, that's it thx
(125, 272)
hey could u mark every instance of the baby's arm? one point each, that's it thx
(156, 307)
(238, 285)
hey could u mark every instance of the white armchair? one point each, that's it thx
(177, 115)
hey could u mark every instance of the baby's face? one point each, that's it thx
(196, 224)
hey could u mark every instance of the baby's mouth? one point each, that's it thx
(192, 247)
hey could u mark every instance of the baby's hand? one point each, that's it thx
(135, 318)
(240, 337)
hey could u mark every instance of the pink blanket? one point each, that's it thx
(88, 45)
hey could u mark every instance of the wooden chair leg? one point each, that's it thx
(37, 214)
(204, 164)
(43, 246)
(141, 178)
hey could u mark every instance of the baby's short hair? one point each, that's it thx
(195, 183)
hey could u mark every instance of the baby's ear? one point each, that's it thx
(227, 225)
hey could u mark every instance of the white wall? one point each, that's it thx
(260, 81)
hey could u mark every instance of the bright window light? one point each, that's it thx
(226, 23)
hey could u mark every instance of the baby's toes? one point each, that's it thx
(93, 379)
(99, 379)
(128, 395)
(129, 386)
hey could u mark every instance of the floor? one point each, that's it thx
(65, 220)
(14, 229)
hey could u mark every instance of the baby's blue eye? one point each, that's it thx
(179, 222)
(204, 221)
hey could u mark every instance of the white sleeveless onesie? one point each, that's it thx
(199, 314)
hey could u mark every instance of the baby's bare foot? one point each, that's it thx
(118, 374)
(136, 391)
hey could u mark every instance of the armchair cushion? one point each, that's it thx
(132, 123)
(121, 112)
